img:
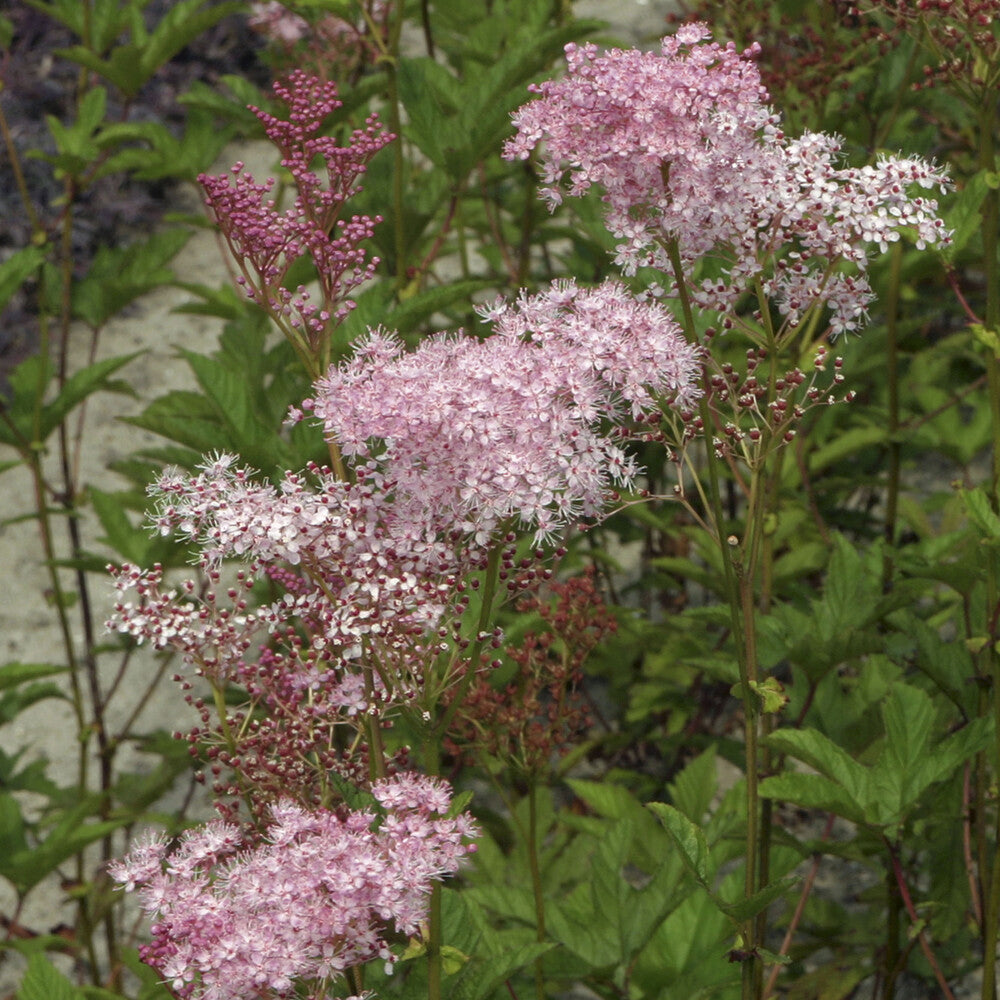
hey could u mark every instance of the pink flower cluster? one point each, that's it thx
(476, 434)
(449, 445)
(686, 150)
(265, 241)
(277, 22)
(314, 898)
(326, 46)
(358, 576)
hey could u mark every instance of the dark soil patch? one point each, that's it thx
(36, 82)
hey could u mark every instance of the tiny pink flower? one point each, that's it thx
(687, 152)
(235, 918)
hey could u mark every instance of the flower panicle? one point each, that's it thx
(478, 434)
(266, 241)
(237, 915)
(689, 155)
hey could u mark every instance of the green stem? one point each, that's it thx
(376, 750)
(425, 22)
(739, 582)
(527, 225)
(990, 232)
(892, 385)
(391, 58)
(38, 235)
(892, 951)
(916, 923)
(536, 883)
(219, 700)
(463, 241)
(475, 648)
(433, 942)
(33, 458)
(434, 938)
(59, 601)
(432, 755)
(355, 976)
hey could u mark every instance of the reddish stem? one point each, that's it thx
(970, 868)
(904, 893)
(800, 907)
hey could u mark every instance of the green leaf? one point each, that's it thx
(129, 542)
(963, 214)
(803, 559)
(771, 695)
(936, 763)
(419, 308)
(142, 790)
(848, 587)
(686, 958)
(37, 945)
(43, 981)
(13, 836)
(693, 789)
(977, 506)
(608, 889)
(908, 714)
(846, 444)
(184, 21)
(122, 69)
(431, 97)
(66, 12)
(75, 143)
(512, 902)
(16, 269)
(30, 778)
(134, 543)
(28, 382)
(821, 753)
(92, 109)
(812, 791)
(189, 419)
(156, 153)
(13, 703)
(234, 109)
(947, 664)
(480, 977)
(689, 840)
(225, 389)
(742, 910)
(885, 793)
(108, 19)
(646, 909)
(132, 64)
(150, 987)
(617, 803)
(577, 926)
(835, 981)
(26, 866)
(987, 336)
(222, 302)
(80, 385)
(119, 275)
(492, 91)
(12, 674)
